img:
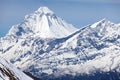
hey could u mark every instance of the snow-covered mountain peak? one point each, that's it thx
(103, 20)
(43, 23)
(101, 23)
(93, 48)
(44, 10)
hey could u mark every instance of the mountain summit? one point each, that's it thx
(44, 10)
(43, 45)
(43, 23)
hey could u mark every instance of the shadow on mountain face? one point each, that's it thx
(33, 77)
(97, 76)
(8, 73)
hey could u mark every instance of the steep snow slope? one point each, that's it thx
(91, 49)
(86, 51)
(43, 23)
(9, 72)
(96, 47)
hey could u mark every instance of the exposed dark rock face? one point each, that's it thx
(32, 76)
(8, 73)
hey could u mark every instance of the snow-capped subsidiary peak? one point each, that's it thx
(44, 10)
(43, 23)
(94, 48)
(86, 51)
(9, 72)
(105, 28)
(99, 23)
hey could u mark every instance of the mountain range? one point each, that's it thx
(48, 47)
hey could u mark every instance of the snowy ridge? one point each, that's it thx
(47, 49)
(44, 10)
(43, 23)
(9, 72)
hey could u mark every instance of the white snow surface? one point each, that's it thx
(94, 47)
(43, 23)
(8, 66)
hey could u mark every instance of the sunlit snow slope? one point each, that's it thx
(9, 72)
(48, 47)
(43, 23)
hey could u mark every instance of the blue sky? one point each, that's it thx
(77, 12)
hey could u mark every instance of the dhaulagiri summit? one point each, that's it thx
(43, 23)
